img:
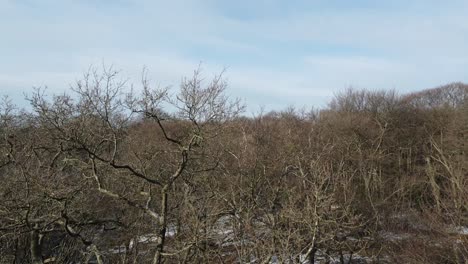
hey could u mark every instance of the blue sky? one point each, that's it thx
(277, 53)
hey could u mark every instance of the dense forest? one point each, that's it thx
(112, 173)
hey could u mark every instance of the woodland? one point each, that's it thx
(112, 172)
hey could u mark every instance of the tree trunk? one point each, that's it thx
(36, 247)
(350, 260)
(162, 227)
(98, 255)
(311, 255)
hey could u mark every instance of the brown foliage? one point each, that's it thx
(113, 177)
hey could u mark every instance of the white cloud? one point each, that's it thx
(369, 48)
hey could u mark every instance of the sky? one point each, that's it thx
(275, 53)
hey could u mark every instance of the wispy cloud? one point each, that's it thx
(276, 53)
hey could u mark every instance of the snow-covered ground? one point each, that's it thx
(223, 234)
(460, 230)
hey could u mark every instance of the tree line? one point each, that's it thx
(110, 174)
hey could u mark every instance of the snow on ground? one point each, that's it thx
(321, 257)
(223, 232)
(391, 236)
(459, 230)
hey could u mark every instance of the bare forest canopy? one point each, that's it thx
(160, 176)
